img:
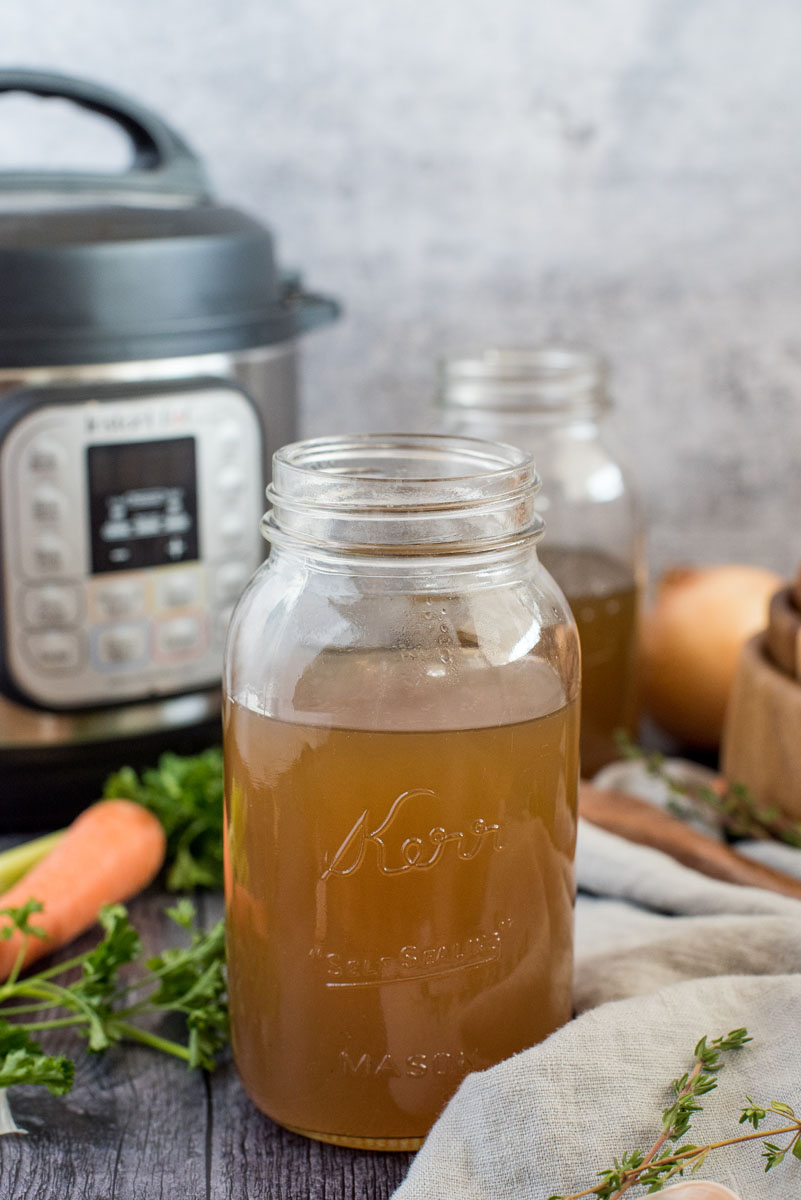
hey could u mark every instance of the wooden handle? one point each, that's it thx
(783, 634)
(641, 822)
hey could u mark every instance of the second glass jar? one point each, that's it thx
(553, 402)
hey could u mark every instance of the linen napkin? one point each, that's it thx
(664, 956)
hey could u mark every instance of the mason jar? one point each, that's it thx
(401, 690)
(553, 401)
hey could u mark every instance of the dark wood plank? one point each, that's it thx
(252, 1158)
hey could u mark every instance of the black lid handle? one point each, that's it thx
(310, 308)
(162, 160)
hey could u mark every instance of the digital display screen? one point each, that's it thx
(142, 504)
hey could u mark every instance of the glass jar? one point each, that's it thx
(401, 760)
(553, 402)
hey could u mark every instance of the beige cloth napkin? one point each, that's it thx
(664, 956)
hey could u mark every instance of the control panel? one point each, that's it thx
(128, 529)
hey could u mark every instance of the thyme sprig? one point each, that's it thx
(653, 1169)
(733, 804)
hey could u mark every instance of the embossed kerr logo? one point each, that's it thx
(405, 839)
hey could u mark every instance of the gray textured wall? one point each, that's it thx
(462, 172)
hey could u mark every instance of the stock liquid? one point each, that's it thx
(399, 913)
(604, 599)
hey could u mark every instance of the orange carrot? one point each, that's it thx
(108, 854)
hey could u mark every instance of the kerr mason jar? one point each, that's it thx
(401, 755)
(553, 401)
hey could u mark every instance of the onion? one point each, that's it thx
(691, 641)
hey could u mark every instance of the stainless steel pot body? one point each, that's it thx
(32, 731)
(147, 375)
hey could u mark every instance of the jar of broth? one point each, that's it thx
(553, 401)
(401, 756)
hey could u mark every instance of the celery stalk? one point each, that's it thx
(17, 861)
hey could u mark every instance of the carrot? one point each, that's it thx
(108, 854)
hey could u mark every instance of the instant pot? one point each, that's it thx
(148, 353)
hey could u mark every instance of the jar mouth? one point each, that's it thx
(402, 493)
(536, 379)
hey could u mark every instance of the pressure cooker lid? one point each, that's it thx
(138, 265)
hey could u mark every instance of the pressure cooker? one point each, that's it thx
(148, 355)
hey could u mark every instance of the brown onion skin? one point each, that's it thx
(690, 643)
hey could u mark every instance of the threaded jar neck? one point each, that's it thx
(546, 381)
(402, 494)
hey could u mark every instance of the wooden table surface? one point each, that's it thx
(139, 1126)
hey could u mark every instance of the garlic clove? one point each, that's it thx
(699, 1189)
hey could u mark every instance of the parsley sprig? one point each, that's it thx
(106, 1004)
(185, 793)
(654, 1168)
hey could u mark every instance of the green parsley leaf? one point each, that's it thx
(23, 1061)
(120, 945)
(185, 793)
(19, 920)
(94, 993)
(193, 982)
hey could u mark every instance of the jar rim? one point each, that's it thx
(404, 492)
(550, 378)
(335, 461)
